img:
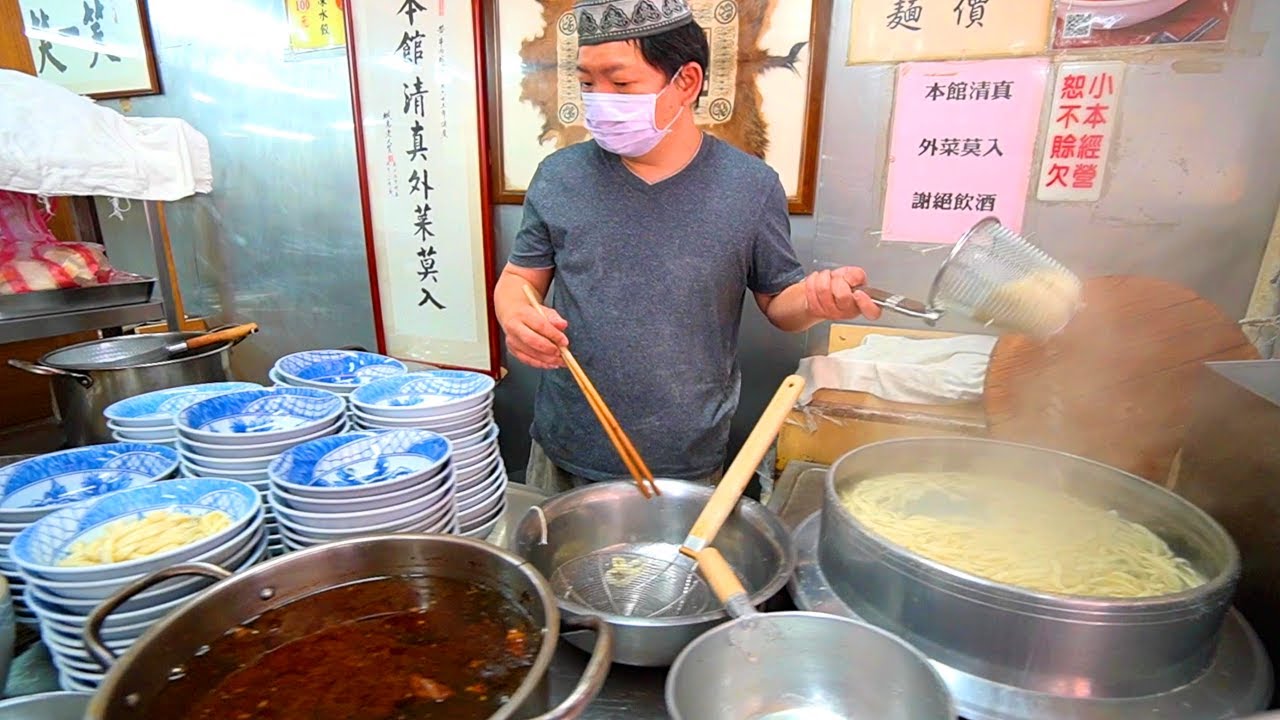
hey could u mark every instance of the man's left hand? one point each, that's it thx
(830, 295)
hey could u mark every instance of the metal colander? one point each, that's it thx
(993, 275)
(996, 276)
(643, 580)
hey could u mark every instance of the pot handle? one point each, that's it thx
(93, 625)
(37, 369)
(236, 339)
(593, 677)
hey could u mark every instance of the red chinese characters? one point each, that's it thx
(1079, 133)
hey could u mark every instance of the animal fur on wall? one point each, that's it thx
(747, 129)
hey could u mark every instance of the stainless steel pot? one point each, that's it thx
(80, 394)
(798, 665)
(46, 706)
(614, 515)
(1078, 647)
(134, 681)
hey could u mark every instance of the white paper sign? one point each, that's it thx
(420, 131)
(1081, 124)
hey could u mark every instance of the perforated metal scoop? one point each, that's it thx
(635, 580)
(995, 276)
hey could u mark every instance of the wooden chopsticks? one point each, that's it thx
(630, 457)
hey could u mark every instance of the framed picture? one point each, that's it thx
(418, 100)
(99, 48)
(763, 93)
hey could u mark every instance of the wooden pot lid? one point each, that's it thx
(1117, 384)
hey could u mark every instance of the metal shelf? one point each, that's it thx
(164, 307)
(40, 326)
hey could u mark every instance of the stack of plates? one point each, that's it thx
(237, 435)
(459, 406)
(64, 596)
(363, 483)
(149, 418)
(339, 371)
(35, 487)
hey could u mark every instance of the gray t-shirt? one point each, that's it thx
(652, 279)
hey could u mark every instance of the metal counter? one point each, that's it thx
(630, 693)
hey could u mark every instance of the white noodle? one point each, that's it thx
(1019, 534)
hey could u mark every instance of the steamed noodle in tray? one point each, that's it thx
(1019, 534)
(155, 532)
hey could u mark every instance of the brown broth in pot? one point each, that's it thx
(357, 653)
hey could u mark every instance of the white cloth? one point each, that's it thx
(55, 142)
(903, 369)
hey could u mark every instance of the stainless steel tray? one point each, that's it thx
(128, 290)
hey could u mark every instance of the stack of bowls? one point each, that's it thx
(63, 596)
(459, 406)
(149, 417)
(237, 435)
(339, 371)
(35, 487)
(361, 483)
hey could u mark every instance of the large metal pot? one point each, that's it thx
(134, 681)
(82, 388)
(613, 516)
(1079, 647)
(46, 706)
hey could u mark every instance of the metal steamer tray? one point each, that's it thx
(125, 289)
(1237, 683)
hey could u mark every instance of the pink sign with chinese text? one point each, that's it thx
(964, 136)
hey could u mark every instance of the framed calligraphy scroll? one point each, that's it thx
(763, 94)
(99, 48)
(418, 100)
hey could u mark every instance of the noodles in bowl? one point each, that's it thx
(1019, 534)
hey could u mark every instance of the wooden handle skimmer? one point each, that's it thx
(743, 468)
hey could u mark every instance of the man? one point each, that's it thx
(653, 232)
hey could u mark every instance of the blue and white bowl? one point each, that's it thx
(434, 514)
(427, 394)
(481, 496)
(240, 452)
(257, 417)
(39, 549)
(256, 478)
(338, 370)
(453, 429)
(226, 464)
(83, 596)
(364, 520)
(361, 464)
(487, 445)
(157, 409)
(62, 620)
(34, 487)
(278, 497)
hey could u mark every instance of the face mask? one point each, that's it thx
(625, 125)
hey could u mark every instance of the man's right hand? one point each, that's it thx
(535, 340)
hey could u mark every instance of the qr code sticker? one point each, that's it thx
(1077, 25)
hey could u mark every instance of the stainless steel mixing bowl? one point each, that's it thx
(612, 515)
(1066, 646)
(46, 706)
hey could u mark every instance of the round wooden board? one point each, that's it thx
(1117, 384)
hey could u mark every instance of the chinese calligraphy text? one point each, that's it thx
(1078, 138)
(951, 166)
